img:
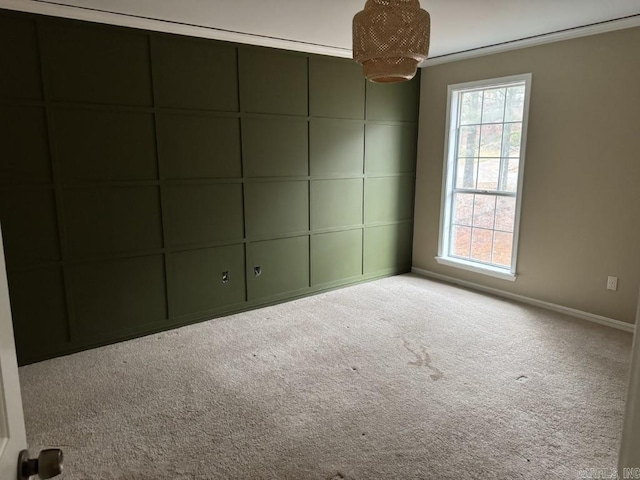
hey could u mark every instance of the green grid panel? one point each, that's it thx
(96, 64)
(390, 148)
(96, 145)
(275, 147)
(197, 279)
(24, 145)
(199, 146)
(283, 263)
(388, 248)
(110, 220)
(114, 297)
(29, 226)
(39, 312)
(336, 203)
(389, 199)
(394, 101)
(195, 73)
(19, 60)
(273, 82)
(336, 256)
(336, 88)
(336, 147)
(276, 208)
(203, 213)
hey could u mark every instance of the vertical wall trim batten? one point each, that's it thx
(47, 95)
(243, 173)
(309, 203)
(151, 39)
(364, 174)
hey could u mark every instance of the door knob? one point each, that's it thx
(47, 465)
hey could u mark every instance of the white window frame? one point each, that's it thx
(451, 135)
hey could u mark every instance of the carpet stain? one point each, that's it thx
(423, 359)
(525, 458)
(522, 379)
(339, 476)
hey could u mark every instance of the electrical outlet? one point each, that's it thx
(612, 283)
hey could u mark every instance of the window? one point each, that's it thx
(484, 159)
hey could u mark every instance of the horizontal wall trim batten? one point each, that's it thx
(106, 184)
(32, 184)
(595, 29)
(157, 25)
(99, 257)
(29, 267)
(79, 184)
(189, 112)
(18, 102)
(591, 317)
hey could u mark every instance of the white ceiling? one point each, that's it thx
(457, 25)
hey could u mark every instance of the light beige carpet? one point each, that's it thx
(401, 378)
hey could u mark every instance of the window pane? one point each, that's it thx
(511, 138)
(502, 245)
(468, 141)
(484, 211)
(509, 174)
(488, 173)
(461, 241)
(481, 241)
(491, 140)
(515, 104)
(493, 105)
(466, 173)
(505, 213)
(463, 208)
(470, 104)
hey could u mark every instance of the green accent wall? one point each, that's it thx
(149, 181)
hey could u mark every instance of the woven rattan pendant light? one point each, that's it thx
(390, 39)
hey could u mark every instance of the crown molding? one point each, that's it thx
(603, 27)
(165, 26)
(44, 7)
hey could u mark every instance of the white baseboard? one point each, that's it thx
(591, 317)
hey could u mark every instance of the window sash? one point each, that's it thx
(453, 224)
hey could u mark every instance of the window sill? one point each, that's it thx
(474, 267)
